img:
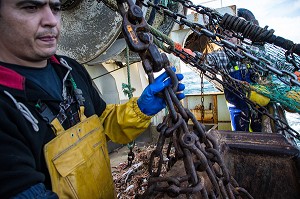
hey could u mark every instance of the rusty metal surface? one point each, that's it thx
(88, 30)
(264, 164)
(266, 143)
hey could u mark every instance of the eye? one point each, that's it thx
(31, 8)
(56, 8)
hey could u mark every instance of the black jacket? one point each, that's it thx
(21, 148)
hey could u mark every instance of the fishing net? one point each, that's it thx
(276, 87)
(287, 97)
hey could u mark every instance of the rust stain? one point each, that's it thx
(132, 34)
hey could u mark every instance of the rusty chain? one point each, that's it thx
(198, 150)
(216, 21)
(202, 96)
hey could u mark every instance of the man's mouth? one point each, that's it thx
(48, 38)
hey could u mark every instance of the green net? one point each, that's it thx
(275, 87)
(288, 97)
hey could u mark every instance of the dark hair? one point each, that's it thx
(246, 14)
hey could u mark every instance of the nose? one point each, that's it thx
(50, 17)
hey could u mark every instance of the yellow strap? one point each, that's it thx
(248, 66)
(81, 113)
(57, 127)
(236, 67)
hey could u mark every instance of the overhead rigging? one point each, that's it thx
(145, 39)
(197, 143)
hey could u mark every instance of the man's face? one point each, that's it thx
(229, 37)
(29, 30)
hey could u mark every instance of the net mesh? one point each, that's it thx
(274, 88)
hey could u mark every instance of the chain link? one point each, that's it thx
(231, 84)
(259, 63)
(215, 19)
(195, 147)
(202, 97)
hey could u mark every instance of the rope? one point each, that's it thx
(287, 97)
(25, 112)
(130, 95)
(161, 45)
(163, 38)
(127, 89)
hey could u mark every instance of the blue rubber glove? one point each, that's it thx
(149, 102)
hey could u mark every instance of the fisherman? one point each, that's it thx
(240, 114)
(54, 124)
